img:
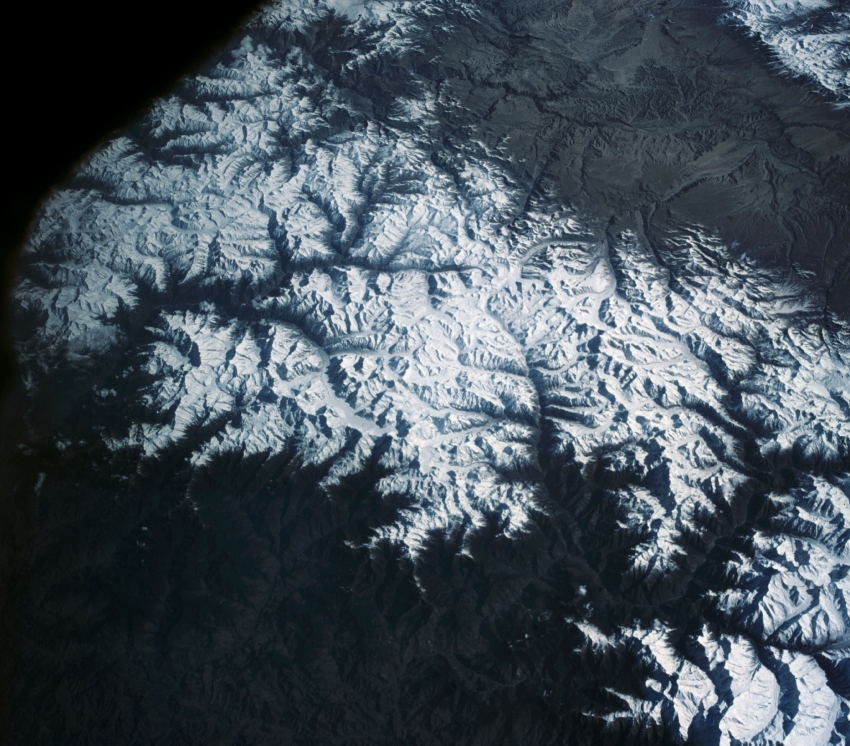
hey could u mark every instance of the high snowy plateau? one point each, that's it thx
(425, 372)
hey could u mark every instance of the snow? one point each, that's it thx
(338, 292)
(808, 37)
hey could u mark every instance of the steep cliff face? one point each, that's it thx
(403, 378)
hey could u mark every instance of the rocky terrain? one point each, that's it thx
(808, 38)
(447, 372)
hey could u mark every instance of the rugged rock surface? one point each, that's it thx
(809, 38)
(445, 373)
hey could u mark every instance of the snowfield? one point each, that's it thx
(808, 37)
(282, 261)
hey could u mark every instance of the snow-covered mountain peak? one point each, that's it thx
(809, 38)
(348, 251)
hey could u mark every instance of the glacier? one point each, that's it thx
(605, 452)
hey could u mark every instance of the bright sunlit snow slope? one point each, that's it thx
(808, 37)
(347, 260)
